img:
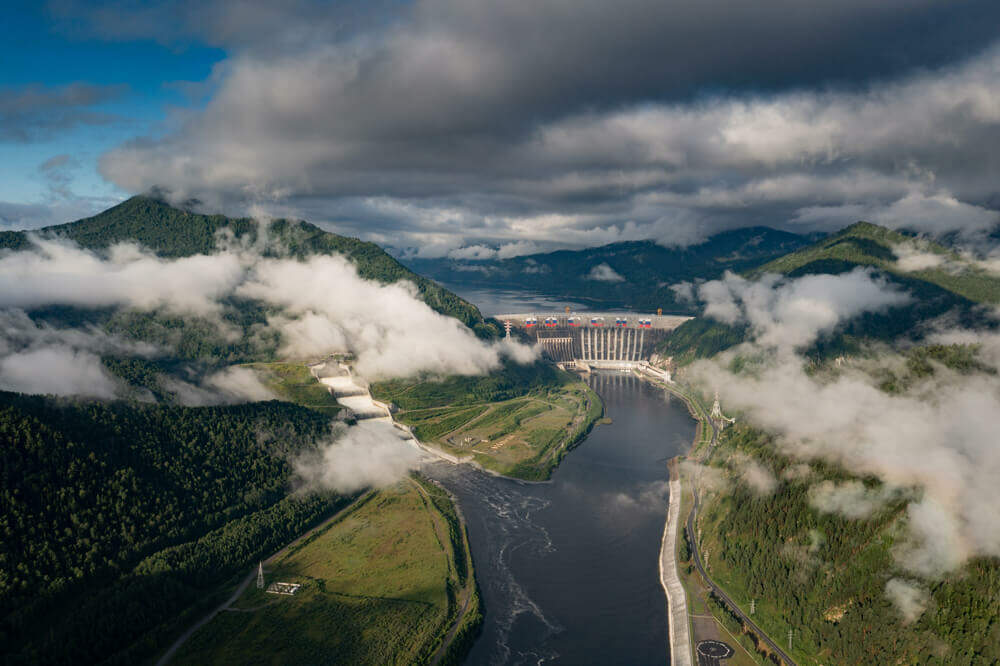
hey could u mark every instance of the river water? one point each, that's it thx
(569, 569)
(492, 301)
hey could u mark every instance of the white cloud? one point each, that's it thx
(60, 272)
(473, 252)
(939, 440)
(914, 256)
(755, 475)
(370, 454)
(604, 273)
(793, 313)
(321, 306)
(56, 371)
(517, 249)
(851, 499)
(241, 384)
(909, 598)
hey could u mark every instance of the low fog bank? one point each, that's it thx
(933, 446)
(371, 454)
(313, 307)
(317, 306)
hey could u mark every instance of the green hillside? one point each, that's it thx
(955, 287)
(865, 244)
(120, 520)
(823, 575)
(172, 232)
(646, 268)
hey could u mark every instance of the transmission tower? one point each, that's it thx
(753, 606)
(506, 327)
(789, 640)
(260, 576)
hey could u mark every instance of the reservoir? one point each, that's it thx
(568, 569)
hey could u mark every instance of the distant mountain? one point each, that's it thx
(172, 232)
(941, 282)
(634, 274)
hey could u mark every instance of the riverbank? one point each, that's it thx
(677, 607)
(709, 610)
(389, 580)
(517, 429)
(543, 550)
(679, 612)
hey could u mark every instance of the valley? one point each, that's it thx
(292, 470)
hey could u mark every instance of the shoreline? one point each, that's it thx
(679, 628)
(677, 605)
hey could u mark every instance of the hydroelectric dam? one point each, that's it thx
(595, 339)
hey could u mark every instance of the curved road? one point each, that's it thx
(696, 556)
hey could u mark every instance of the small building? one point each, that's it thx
(283, 588)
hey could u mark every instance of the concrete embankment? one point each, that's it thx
(680, 634)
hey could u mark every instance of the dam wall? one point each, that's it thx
(597, 339)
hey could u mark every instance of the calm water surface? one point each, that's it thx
(568, 569)
(503, 301)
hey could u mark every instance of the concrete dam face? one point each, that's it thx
(595, 338)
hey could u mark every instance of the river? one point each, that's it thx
(492, 301)
(568, 569)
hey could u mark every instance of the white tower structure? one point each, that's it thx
(506, 327)
(716, 407)
(260, 576)
(717, 414)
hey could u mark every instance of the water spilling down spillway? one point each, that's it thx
(569, 569)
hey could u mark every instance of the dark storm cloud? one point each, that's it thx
(34, 112)
(584, 122)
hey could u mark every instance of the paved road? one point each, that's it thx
(696, 556)
(722, 595)
(168, 655)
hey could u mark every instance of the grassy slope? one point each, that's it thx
(937, 291)
(381, 585)
(294, 383)
(520, 420)
(171, 232)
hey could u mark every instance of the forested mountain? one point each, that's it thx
(118, 518)
(634, 274)
(824, 575)
(942, 282)
(827, 572)
(172, 232)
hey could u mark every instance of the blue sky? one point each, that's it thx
(39, 52)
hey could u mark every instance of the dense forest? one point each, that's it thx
(824, 575)
(512, 380)
(119, 518)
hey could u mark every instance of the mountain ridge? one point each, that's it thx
(954, 285)
(173, 232)
(646, 268)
